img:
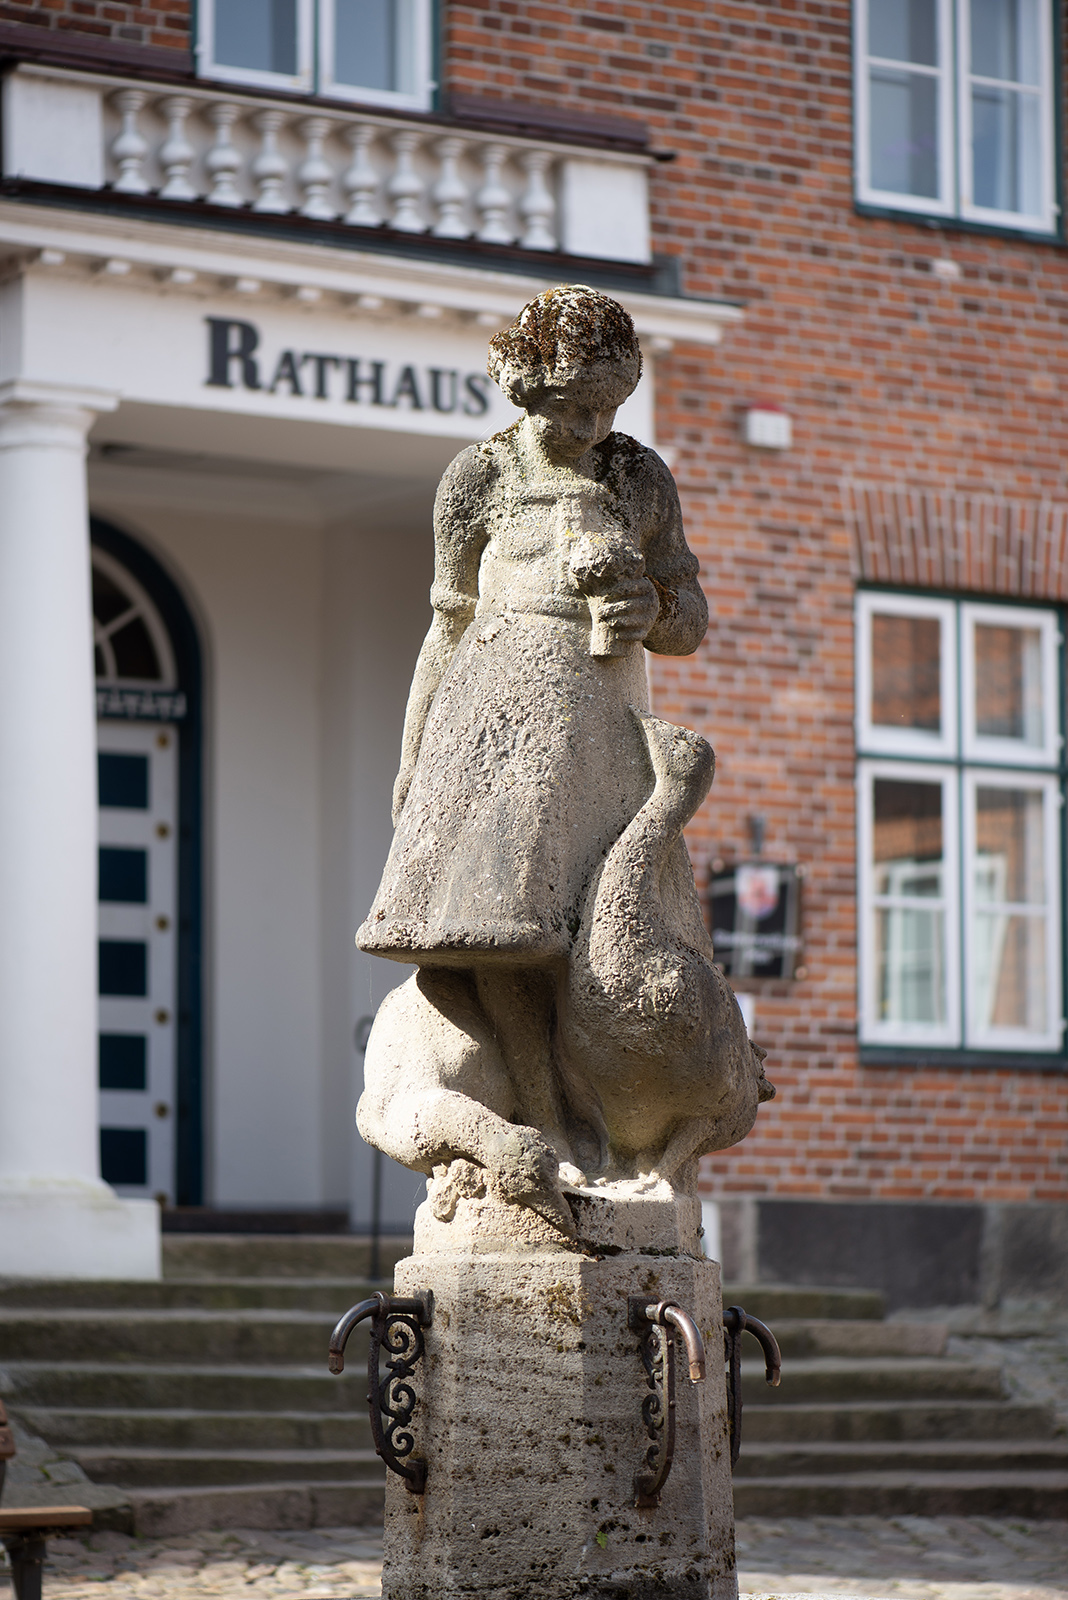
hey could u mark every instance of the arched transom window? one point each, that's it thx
(132, 647)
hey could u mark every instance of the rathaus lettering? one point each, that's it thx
(235, 362)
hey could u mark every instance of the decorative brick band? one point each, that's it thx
(978, 543)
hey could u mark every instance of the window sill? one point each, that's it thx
(918, 1057)
(940, 223)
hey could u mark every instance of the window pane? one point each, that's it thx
(904, 30)
(122, 781)
(109, 601)
(1008, 684)
(135, 654)
(909, 935)
(122, 875)
(1006, 40)
(365, 43)
(1009, 972)
(1008, 950)
(123, 967)
(123, 1061)
(1010, 863)
(124, 1155)
(904, 132)
(1006, 150)
(906, 672)
(261, 34)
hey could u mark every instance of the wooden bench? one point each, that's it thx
(24, 1529)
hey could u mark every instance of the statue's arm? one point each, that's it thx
(673, 568)
(459, 539)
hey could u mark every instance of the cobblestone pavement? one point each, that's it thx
(901, 1558)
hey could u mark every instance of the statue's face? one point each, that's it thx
(569, 421)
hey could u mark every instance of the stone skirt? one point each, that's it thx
(530, 767)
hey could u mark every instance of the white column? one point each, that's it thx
(57, 1219)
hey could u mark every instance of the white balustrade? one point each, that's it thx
(332, 165)
(177, 154)
(130, 148)
(270, 168)
(223, 160)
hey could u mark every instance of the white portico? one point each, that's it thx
(257, 425)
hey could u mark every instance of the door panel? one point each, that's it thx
(138, 792)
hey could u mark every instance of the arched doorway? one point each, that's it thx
(148, 678)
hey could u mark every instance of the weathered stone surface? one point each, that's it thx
(530, 1419)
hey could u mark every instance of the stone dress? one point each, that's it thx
(531, 763)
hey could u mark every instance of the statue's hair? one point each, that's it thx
(565, 332)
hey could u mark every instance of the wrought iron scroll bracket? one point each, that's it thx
(735, 1323)
(397, 1325)
(659, 1325)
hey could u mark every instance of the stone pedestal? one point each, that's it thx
(530, 1413)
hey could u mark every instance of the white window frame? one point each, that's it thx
(315, 49)
(1014, 752)
(414, 20)
(301, 81)
(945, 204)
(1015, 1038)
(1045, 219)
(873, 1029)
(954, 125)
(906, 741)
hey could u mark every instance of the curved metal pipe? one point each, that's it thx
(665, 1312)
(340, 1336)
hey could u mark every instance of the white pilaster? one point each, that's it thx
(57, 1219)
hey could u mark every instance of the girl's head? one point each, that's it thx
(569, 338)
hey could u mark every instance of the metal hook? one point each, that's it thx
(737, 1321)
(398, 1325)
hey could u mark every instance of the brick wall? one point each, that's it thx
(158, 23)
(892, 375)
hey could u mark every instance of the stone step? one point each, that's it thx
(187, 1429)
(159, 1513)
(242, 1255)
(331, 1296)
(1036, 1495)
(895, 1419)
(187, 1469)
(170, 1386)
(846, 1337)
(214, 1337)
(840, 1379)
(922, 1456)
(776, 1302)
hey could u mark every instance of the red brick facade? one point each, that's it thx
(895, 376)
(892, 376)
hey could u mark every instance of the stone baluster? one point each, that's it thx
(493, 198)
(315, 173)
(450, 191)
(405, 188)
(270, 167)
(223, 161)
(129, 146)
(176, 153)
(536, 204)
(360, 180)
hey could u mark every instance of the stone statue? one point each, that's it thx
(566, 1031)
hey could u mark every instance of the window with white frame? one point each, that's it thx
(960, 783)
(374, 51)
(954, 109)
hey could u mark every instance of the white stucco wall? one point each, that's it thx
(311, 621)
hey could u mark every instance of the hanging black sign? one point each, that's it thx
(756, 920)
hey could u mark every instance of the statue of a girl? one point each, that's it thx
(528, 761)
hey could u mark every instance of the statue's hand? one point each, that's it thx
(526, 1172)
(630, 610)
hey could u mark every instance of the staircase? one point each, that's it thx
(873, 1419)
(205, 1400)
